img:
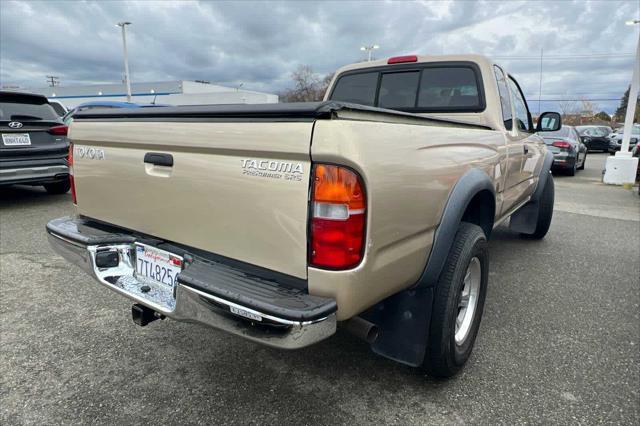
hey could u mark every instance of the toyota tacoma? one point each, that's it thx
(370, 210)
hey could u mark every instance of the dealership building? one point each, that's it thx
(181, 92)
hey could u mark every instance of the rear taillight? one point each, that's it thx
(338, 204)
(561, 144)
(59, 130)
(71, 180)
(402, 59)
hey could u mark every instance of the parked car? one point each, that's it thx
(273, 222)
(68, 117)
(34, 146)
(569, 153)
(595, 138)
(57, 106)
(635, 152)
(615, 139)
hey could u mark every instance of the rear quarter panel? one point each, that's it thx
(409, 171)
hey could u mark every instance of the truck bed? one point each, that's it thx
(237, 191)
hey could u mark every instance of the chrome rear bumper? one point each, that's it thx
(188, 304)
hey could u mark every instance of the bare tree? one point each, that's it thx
(587, 108)
(307, 85)
(567, 108)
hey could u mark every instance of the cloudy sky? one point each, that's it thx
(588, 50)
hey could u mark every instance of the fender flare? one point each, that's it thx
(524, 220)
(404, 318)
(467, 187)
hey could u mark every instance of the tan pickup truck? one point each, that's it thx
(370, 210)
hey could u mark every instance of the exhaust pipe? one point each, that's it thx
(362, 329)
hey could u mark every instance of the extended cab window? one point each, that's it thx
(522, 112)
(356, 88)
(505, 102)
(451, 87)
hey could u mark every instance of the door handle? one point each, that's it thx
(159, 159)
(526, 149)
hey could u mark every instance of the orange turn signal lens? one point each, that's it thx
(335, 184)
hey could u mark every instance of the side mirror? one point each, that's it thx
(549, 122)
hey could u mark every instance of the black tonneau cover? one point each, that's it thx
(298, 111)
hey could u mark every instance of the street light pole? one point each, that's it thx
(621, 169)
(369, 50)
(633, 97)
(127, 79)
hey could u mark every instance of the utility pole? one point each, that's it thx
(53, 80)
(369, 49)
(127, 78)
(540, 85)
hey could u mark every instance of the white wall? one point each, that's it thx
(234, 97)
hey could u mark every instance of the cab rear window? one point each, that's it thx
(432, 87)
(357, 88)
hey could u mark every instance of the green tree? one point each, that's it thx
(602, 116)
(622, 109)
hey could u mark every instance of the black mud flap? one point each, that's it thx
(525, 219)
(403, 321)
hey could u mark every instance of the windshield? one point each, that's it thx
(592, 131)
(635, 130)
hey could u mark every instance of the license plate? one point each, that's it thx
(157, 265)
(16, 140)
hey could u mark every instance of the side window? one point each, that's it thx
(505, 102)
(522, 116)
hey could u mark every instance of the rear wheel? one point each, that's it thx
(574, 168)
(458, 303)
(58, 187)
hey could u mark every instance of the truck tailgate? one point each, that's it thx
(238, 190)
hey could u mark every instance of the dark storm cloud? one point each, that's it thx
(260, 43)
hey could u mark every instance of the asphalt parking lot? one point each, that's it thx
(559, 342)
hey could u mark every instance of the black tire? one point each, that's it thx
(545, 212)
(444, 357)
(572, 170)
(58, 187)
(584, 161)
